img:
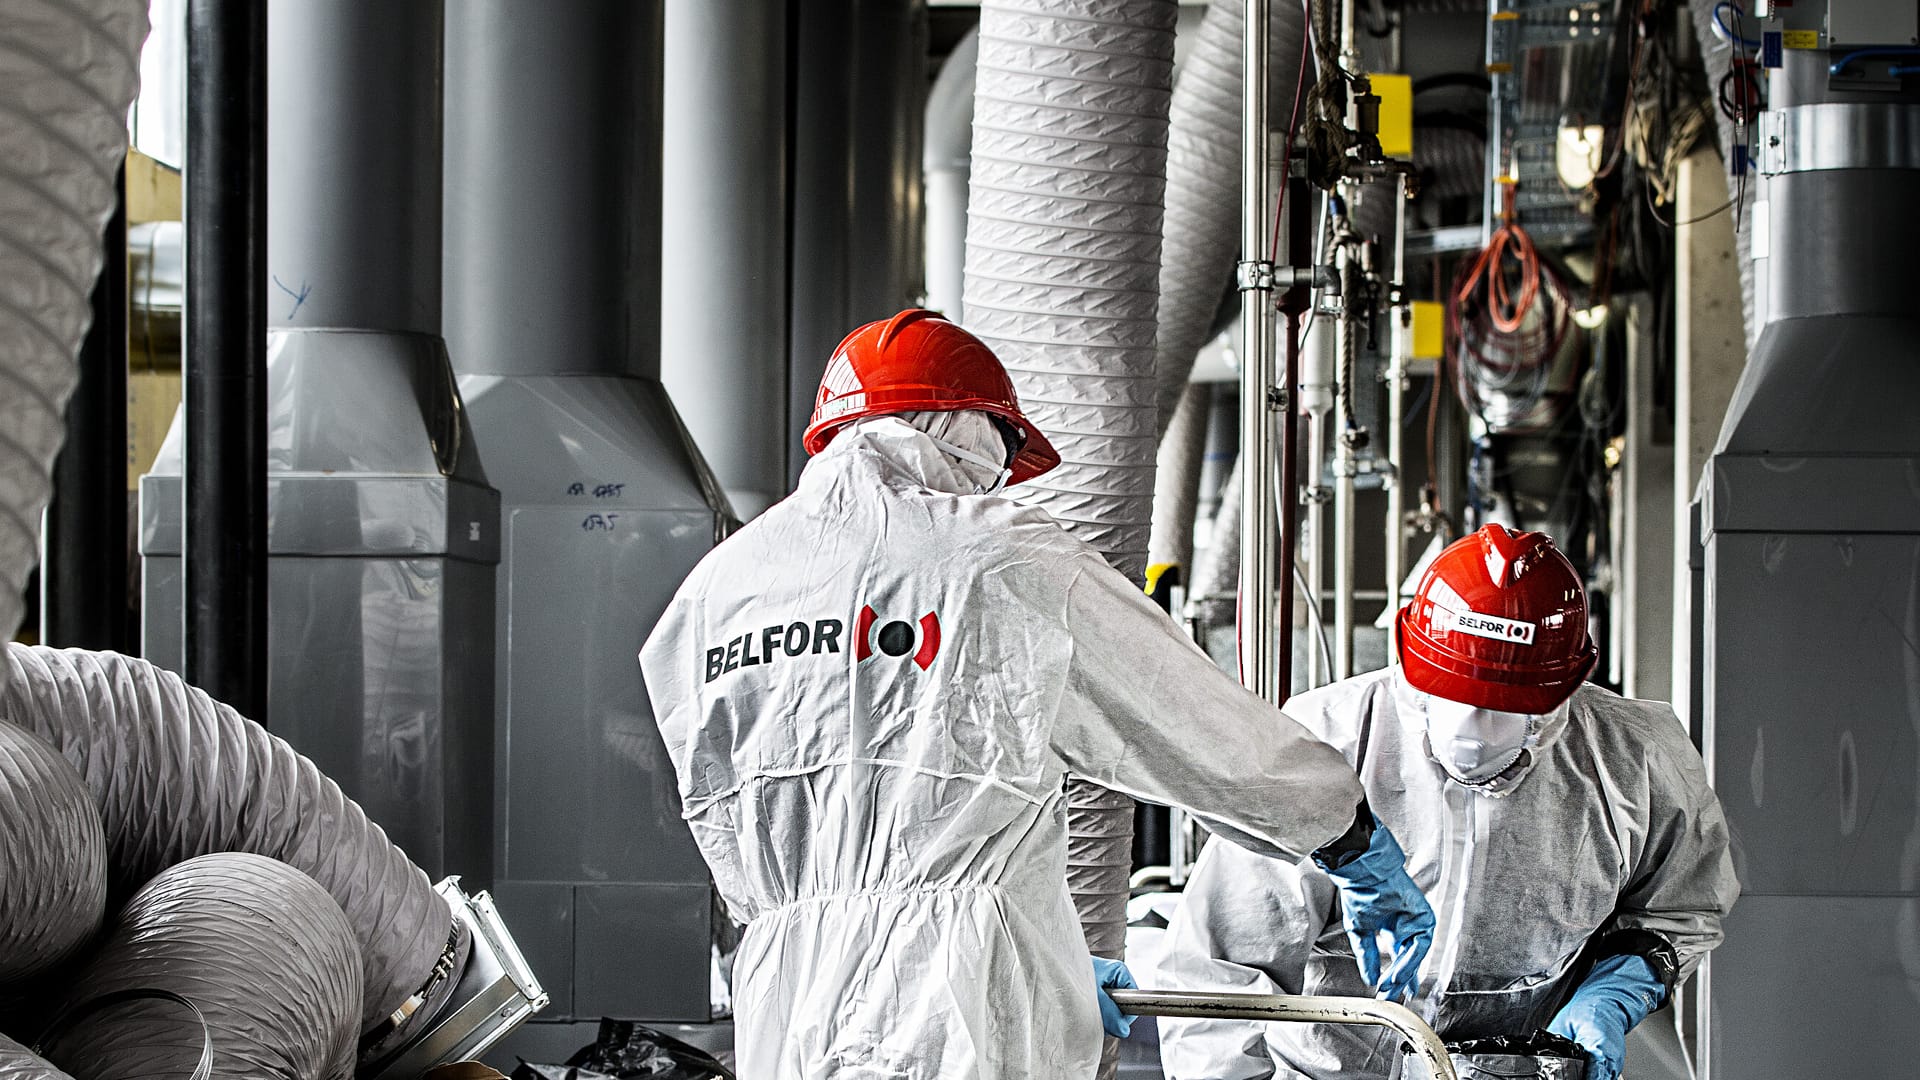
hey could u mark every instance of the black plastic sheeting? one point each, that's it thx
(625, 1050)
(19, 1063)
(1541, 1043)
(53, 858)
(261, 951)
(176, 775)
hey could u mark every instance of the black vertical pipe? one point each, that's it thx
(83, 570)
(225, 564)
(1293, 303)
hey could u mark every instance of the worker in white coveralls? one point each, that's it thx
(872, 694)
(1575, 857)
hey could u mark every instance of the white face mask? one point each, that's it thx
(1476, 745)
(1002, 473)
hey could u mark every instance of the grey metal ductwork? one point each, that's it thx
(67, 74)
(1810, 533)
(262, 953)
(384, 532)
(19, 1063)
(53, 858)
(1063, 263)
(724, 240)
(176, 774)
(552, 276)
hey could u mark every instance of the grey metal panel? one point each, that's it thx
(1817, 987)
(590, 792)
(541, 914)
(1829, 385)
(1819, 772)
(1791, 494)
(1873, 22)
(397, 516)
(623, 931)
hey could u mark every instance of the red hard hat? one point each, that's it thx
(917, 361)
(1499, 622)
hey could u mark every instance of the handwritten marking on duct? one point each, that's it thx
(299, 297)
(598, 522)
(600, 491)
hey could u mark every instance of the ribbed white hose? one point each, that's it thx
(176, 775)
(261, 950)
(19, 1063)
(1183, 447)
(68, 72)
(53, 858)
(1063, 260)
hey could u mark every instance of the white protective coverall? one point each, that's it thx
(879, 795)
(1613, 828)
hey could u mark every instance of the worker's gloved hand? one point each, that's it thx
(1376, 896)
(1618, 994)
(1111, 973)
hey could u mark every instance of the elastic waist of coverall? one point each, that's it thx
(994, 890)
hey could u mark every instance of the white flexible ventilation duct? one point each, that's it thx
(53, 858)
(1176, 495)
(176, 774)
(261, 951)
(68, 70)
(19, 1063)
(1062, 280)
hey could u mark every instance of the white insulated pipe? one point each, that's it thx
(947, 163)
(1400, 351)
(67, 75)
(1259, 640)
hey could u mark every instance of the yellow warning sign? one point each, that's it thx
(1800, 39)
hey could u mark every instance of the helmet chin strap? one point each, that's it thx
(1002, 473)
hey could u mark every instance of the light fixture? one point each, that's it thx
(1591, 318)
(1577, 154)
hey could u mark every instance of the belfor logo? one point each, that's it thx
(897, 638)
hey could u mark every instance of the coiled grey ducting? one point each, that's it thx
(53, 858)
(176, 774)
(19, 1063)
(260, 950)
(68, 71)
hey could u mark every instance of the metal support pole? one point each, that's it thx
(1258, 398)
(1399, 351)
(1298, 299)
(83, 559)
(1314, 566)
(225, 487)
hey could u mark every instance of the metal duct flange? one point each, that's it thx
(260, 950)
(176, 774)
(19, 1063)
(67, 75)
(53, 857)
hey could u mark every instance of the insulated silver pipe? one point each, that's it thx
(1399, 351)
(1259, 653)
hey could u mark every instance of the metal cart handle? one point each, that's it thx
(1299, 1010)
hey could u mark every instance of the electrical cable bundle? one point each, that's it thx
(1508, 313)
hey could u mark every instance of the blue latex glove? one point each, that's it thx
(1110, 973)
(1619, 993)
(1376, 895)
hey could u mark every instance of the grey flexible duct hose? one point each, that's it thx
(1718, 59)
(1183, 448)
(1216, 576)
(19, 1063)
(1062, 280)
(1201, 235)
(260, 950)
(68, 70)
(53, 858)
(175, 774)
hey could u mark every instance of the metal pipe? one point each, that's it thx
(225, 488)
(1401, 346)
(1281, 1008)
(1316, 494)
(1259, 670)
(1295, 304)
(83, 561)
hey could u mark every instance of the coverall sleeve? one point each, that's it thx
(1246, 925)
(1147, 713)
(1684, 883)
